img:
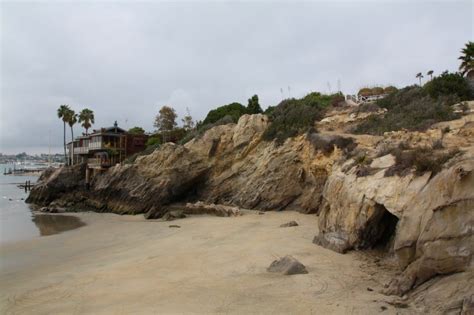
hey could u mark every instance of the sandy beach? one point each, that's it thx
(127, 265)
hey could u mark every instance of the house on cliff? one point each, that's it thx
(105, 147)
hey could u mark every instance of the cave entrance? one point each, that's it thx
(380, 229)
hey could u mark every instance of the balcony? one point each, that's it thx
(96, 145)
(81, 150)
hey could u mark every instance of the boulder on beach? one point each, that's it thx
(289, 224)
(287, 265)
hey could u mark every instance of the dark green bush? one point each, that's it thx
(409, 108)
(174, 136)
(253, 106)
(422, 160)
(316, 99)
(290, 118)
(295, 116)
(136, 131)
(326, 143)
(449, 84)
(234, 110)
(153, 140)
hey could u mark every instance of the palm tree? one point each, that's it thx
(419, 76)
(467, 59)
(72, 120)
(86, 117)
(430, 73)
(63, 112)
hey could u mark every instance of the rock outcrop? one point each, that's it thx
(287, 265)
(425, 220)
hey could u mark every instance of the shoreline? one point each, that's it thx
(210, 264)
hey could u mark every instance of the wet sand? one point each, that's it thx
(127, 265)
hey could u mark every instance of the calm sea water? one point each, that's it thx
(17, 221)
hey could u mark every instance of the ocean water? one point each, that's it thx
(17, 220)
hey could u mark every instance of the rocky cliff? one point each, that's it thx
(366, 196)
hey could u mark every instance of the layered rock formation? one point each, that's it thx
(426, 221)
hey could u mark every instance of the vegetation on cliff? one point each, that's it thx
(295, 116)
(417, 108)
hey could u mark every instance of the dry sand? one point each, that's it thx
(127, 265)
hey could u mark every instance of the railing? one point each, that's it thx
(81, 150)
(97, 163)
(96, 145)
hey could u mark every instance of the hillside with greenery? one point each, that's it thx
(417, 108)
(295, 116)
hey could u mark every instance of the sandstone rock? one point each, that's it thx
(383, 162)
(289, 224)
(247, 128)
(173, 215)
(287, 265)
(426, 222)
(54, 183)
(44, 209)
(212, 209)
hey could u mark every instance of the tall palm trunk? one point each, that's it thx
(64, 137)
(72, 146)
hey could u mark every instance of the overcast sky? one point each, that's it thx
(125, 60)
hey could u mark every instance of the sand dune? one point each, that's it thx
(126, 265)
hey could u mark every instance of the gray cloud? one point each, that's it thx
(125, 60)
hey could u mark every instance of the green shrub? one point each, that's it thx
(316, 99)
(449, 84)
(136, 131)
(269, 110)
(153, 140)
(290, 118)
(295, 116)
(253, 106)
(326, 143)
(409, 108)
(390, 89)
(234, 110)
(422, 160)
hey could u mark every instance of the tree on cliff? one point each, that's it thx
(63, 112)
(253, 106)
(419, 76)
(467, 59)
(165, 121)
(188, 122)
(234, 110)
(430, 73)
(136, 131)
(86, 117)
(72, 120)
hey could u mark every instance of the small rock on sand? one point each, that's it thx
(174, 226)
(173, 215)
(289, 224)
(287, 265)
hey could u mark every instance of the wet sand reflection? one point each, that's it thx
(53, 224)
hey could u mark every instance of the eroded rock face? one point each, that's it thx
(425, 220)
(228, 165)
(431, 220)
(166, 175)
(55, 183)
